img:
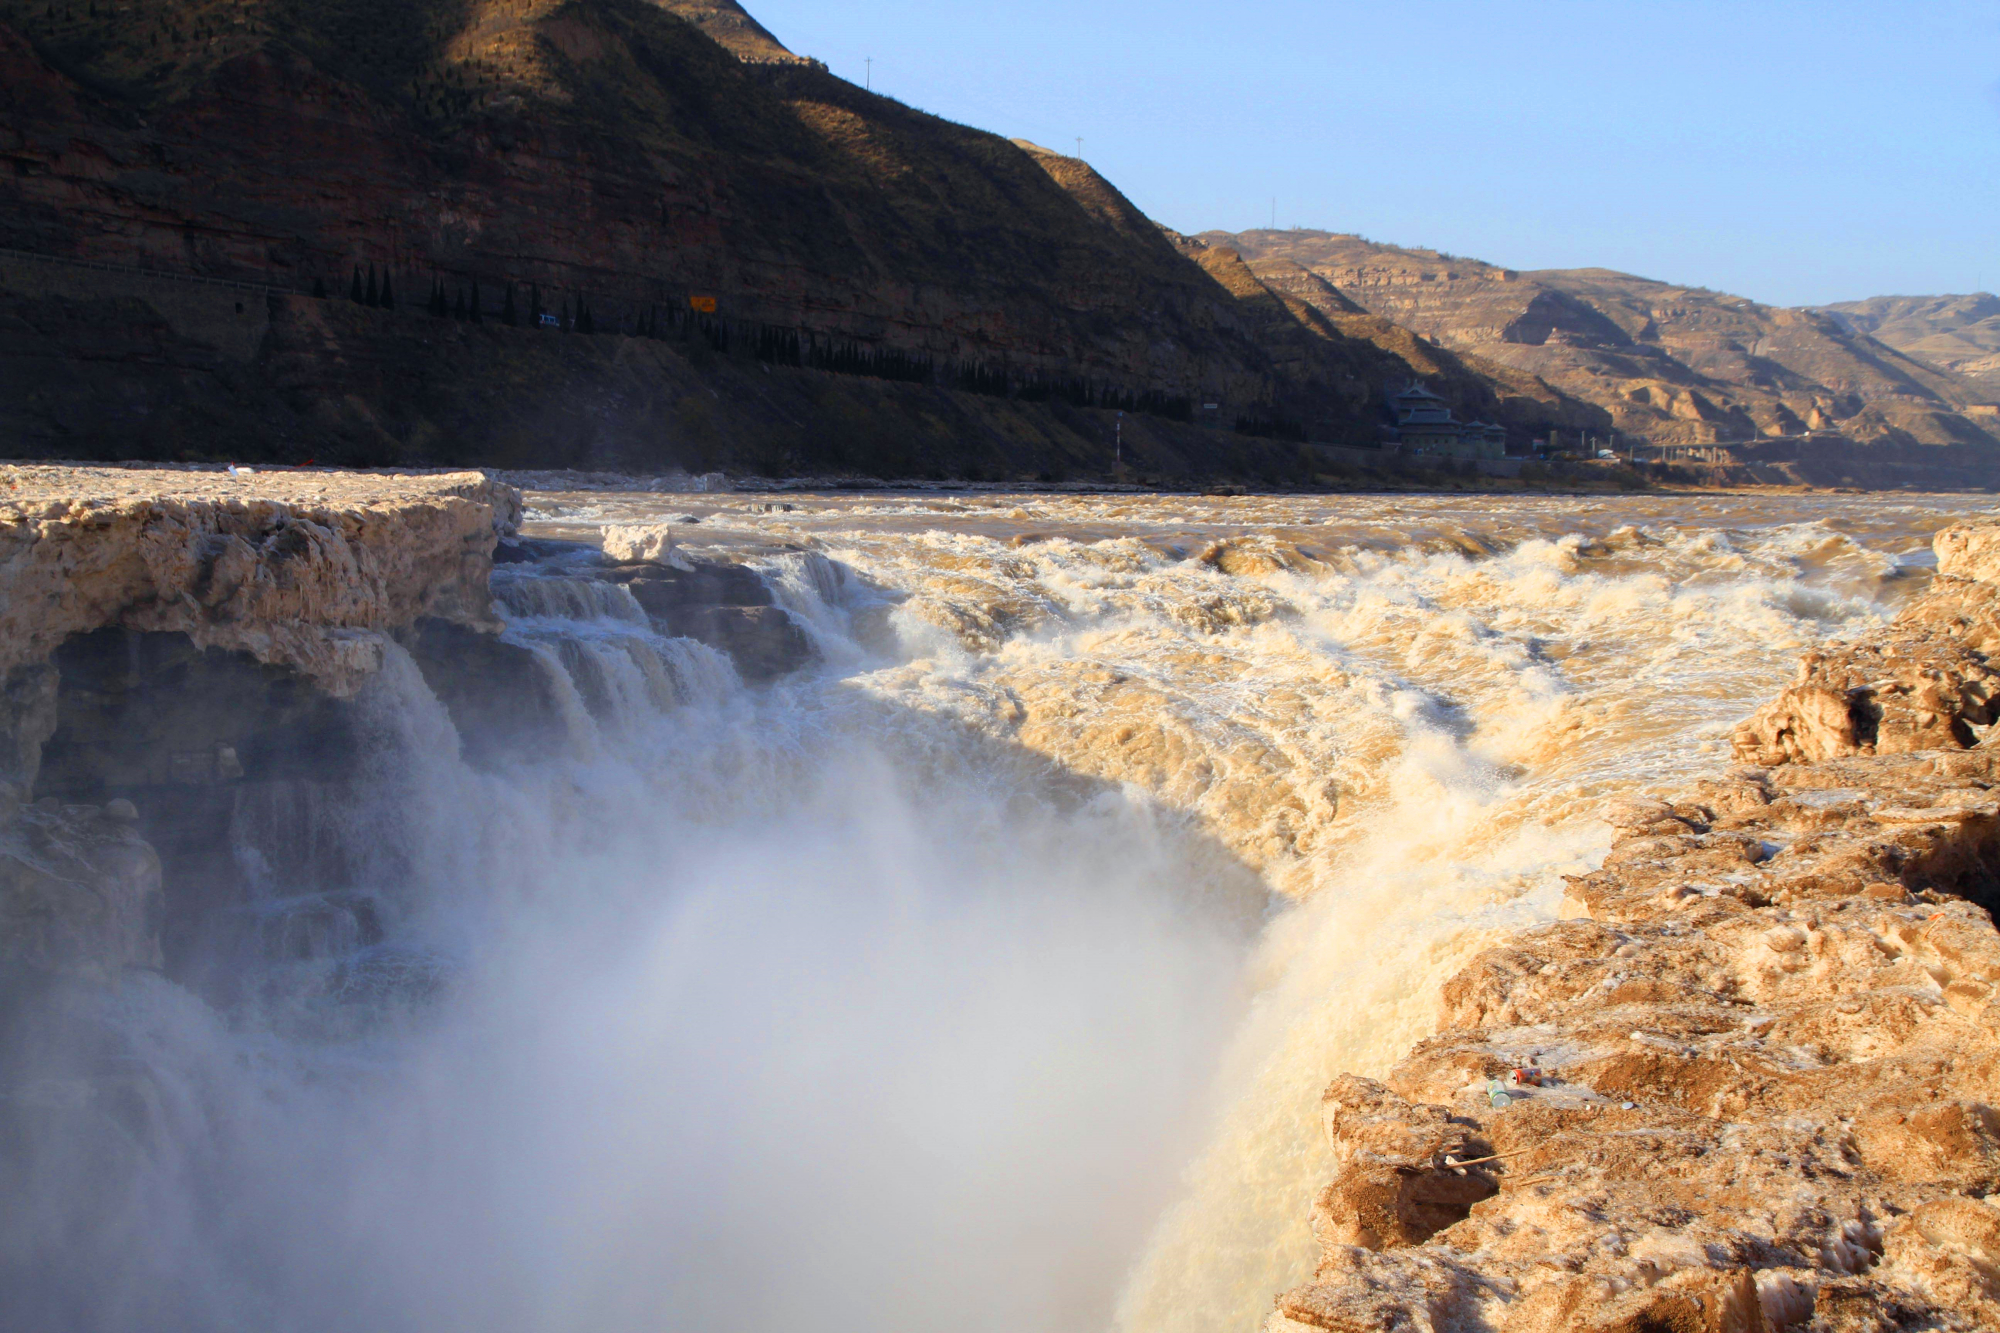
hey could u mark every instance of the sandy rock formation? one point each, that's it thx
(178, 642)
(1970, 551)
(627, 543)
(1750, 1085)
(1926, 683)
(298, 569)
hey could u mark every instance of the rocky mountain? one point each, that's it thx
(604, 152)
(665, 171)
(1960, 334)
(1675, 364)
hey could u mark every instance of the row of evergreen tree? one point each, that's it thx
(792, 347)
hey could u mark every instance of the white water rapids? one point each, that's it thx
(986, 975)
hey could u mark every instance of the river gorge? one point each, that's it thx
(856, 911)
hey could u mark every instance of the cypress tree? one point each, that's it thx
(567, 323)
(508, 315)
(534, 306)
(584, 322)
(388, 295)
(354, 292)
(458, 312)
(477, 317)
(374, 292)
(319, 289)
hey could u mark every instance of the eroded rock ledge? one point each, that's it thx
(282, 565)
(1761, 1064)
(180, 655)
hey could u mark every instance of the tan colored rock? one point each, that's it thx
(1928, 683)
(1769, 1060)
(1970, 550)
(300, 569)
(646, 541)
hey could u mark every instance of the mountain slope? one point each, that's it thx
(601, 150)
(633, 157)
(1960, 334)
(1675, 364)
(1335, 361)
(726, 22)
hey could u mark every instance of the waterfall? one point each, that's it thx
(931, 971)
(530, 594)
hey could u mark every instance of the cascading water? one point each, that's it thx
(985, 975)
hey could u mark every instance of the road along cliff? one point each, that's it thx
(1750, 1083)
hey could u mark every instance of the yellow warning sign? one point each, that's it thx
(705, 304)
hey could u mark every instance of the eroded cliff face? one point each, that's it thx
(178, 643)
(184, 659)
(1675, 364)
(297, 570)
(1750, 1083)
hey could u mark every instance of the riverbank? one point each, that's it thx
(1749, 1081)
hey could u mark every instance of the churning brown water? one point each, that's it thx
(987, 974)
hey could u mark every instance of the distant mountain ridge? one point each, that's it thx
(1672, 363)
(1960, 334)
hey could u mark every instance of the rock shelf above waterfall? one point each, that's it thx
(297, 568)
(195, 645)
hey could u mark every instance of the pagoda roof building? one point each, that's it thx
(1425, 425)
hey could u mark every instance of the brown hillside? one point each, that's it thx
(627, 158)
(1334, 359)
(731, 27)
(604, 150)
(1675, 364)
(1960, 334)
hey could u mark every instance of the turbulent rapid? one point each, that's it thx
(984, 973)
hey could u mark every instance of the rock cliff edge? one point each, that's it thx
(1751, 1083)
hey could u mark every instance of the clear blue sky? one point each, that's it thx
(1794, 151)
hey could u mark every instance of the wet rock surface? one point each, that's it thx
(723, 605)
(79, 889)
(1751, 1083)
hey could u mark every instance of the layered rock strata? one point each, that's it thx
(1926, 683)
(180, 655)
(1672, 364)
(178, 644)
(1751, 1082)
(298, 569)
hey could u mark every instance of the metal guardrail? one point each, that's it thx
(132, 270)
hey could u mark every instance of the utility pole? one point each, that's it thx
(1079, 148)
(1274, 212)
(871, 73)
